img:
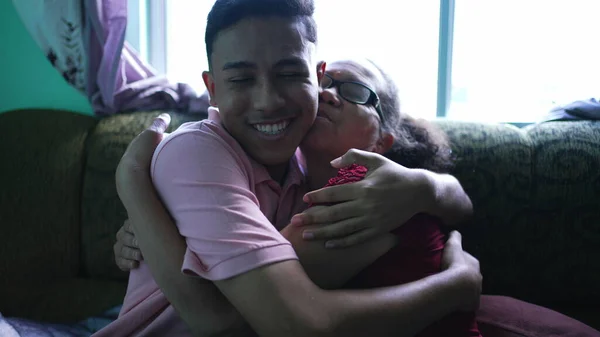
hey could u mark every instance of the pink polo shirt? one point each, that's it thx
(226, 206)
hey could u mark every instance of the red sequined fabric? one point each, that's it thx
(350, 174)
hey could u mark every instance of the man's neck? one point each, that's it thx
(318, 169)
(278, 172)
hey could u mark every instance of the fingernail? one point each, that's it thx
(330, 244)
(296, 221)
(161, 123)
(308, 235)
(335, 162)
(135, 242)
(306, 199)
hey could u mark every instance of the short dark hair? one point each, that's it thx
(417, 143)
(226, 13)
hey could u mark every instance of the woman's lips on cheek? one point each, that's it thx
(323, 115)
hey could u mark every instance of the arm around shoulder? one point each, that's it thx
(446, 198)
(280, 300)
(199, 303)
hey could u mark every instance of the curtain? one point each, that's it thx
(85, 41)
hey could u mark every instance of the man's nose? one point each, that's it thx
(268, 97)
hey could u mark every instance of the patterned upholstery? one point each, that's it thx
(102, 211)
(536, 193)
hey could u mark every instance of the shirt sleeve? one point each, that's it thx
(206, 186)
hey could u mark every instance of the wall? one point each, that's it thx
(27, 79)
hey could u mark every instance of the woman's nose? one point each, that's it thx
(329, 96)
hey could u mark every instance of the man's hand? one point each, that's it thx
(388, 197)
(454, 257)
(127, 252)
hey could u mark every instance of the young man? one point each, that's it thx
(231, 182)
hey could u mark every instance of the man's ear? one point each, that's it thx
(321, 70)
(209, 82)
(384, 144)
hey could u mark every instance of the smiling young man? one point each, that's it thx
(232, 182)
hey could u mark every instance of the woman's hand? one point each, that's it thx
(136, 160)
(388, 197)
(127, 252)
(135, 165)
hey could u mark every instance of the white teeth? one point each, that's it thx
(272, 129)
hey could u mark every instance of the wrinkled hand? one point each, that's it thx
(138, 155)
(135, 163)
(454, 257)
(388, 197)
(127, 252)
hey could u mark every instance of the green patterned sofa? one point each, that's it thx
(536, 228)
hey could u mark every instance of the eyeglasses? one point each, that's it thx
(353, 92)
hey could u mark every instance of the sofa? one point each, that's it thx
(535, 190)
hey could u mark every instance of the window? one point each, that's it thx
(400, 36)
(488, 61)
(185, 49)
(515, 60)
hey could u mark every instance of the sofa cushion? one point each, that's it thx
(41, 165)
(564, 213)
(536, 195)
(500, 316)
(67, 300)
(493, 163)
(102, 211)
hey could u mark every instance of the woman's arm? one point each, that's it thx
(386, 198)
(446, 198)
(333, 268)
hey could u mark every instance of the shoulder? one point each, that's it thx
(203, 136)
(204, 144)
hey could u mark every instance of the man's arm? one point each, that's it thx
(446, 198)
(291, 305)
(199, 302)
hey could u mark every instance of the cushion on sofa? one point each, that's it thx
(102, 211)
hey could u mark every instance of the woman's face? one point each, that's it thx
(340, 124)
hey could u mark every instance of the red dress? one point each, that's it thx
(418, 255)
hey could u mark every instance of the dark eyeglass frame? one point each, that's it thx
(373, 99)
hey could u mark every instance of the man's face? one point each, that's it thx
(264, 82)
